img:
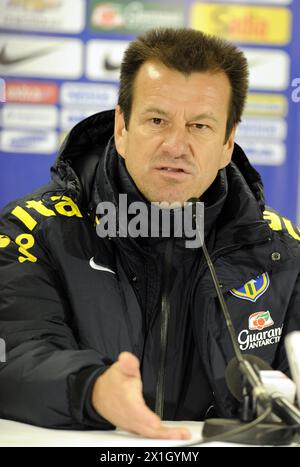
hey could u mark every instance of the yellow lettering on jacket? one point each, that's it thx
(40, 208)
(24, 217)
(291, 230)
(66, 207)
(4, 241)
(277, 222)
(25, 242)
(273, 219)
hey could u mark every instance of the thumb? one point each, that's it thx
(129, 364)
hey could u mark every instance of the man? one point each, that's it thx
(124, 331)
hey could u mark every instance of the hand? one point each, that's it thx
(117, 396)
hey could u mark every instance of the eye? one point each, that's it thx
(199, 126)
(157, 121)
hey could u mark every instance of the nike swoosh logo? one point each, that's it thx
(98, 267)
(5, 58)
(109, 66)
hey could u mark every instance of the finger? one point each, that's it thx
(174, 433)
(146, 423)
(163, 432)
(129, 364)
(137, 414)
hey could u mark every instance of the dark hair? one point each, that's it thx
(186, 50)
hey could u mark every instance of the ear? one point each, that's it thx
(228, 149)
(120, 132)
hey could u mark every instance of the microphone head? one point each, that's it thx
(233, 375)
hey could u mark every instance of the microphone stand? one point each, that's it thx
(253, 391)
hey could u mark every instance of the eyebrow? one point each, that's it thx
(158, 111)
(205, 115)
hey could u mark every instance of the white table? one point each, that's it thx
(21, 434)
(13, 434)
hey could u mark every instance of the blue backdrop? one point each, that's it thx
(59, 62)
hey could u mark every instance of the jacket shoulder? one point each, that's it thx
(23, 219)
(48, 201)
(282, 224)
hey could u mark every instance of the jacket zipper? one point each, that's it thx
(165, 315)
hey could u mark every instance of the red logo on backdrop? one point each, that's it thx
(107, 16)
(31, 92)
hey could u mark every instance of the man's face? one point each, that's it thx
(174, 145)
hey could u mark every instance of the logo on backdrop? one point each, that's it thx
(24, 55)
(31, 92)
(127, 16)
(243, 23)
(2, 90)
(7, 59)
(104, 58)
(62, 16)
(296, 92)
(35, 5)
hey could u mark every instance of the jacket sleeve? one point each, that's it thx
(45, 378)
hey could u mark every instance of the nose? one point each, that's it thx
(175, 142)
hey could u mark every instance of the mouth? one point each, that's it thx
(170, 169)
(174, 172)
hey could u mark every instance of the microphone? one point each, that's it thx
(253, 391)
(283, 408)
(292, 346)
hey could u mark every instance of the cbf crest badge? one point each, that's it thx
(253, 289)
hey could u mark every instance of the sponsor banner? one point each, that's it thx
(85, 94)
(296, 92)
(2, 90)
(126, 16)
(263, 153)
(273, 2)
(244, 24)
(262, 128)
(29, 116)
(104, 59)
(273, 105)
(31, 92)
(31, 142)
(262, 63)
(43, 15)
(22, 55)
(71, 116)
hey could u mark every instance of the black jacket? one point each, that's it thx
(64, 322)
